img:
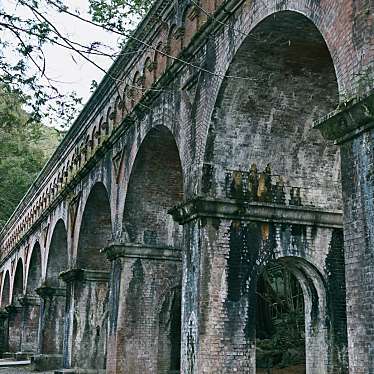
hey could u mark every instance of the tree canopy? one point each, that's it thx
(24, 148)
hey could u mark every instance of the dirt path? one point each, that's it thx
(297, 369)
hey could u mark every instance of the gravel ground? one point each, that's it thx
(21, 370)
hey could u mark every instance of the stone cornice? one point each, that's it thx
(83, 275)
(255, 211)
(348, 120)
(130, 250)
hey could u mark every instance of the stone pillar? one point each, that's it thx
(30, 323)
(145, 315)
(4, 315)
(85, 331)
(352, 127)
(226, 243)
(14, 327)
(51, 328)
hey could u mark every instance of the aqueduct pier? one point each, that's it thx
(237, 132)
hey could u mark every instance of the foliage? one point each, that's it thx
(24, 148)
(28, 28)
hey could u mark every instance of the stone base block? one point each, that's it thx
(8, 355)
(46, 362)
(80, 371)
(21, 356)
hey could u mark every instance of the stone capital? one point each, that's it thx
(47, 292)
(31, 300)
(230, 209)
(151, 252)
(83, 275)
(349, 120)
(12, 309)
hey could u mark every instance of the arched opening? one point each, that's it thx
(280, 322)
(157, 173)
(153, 324)
(88, 294)
(5, 295)
(35, 270)
(53, 293)
(57, 256)
(266, 118)
(262, 148)
(18, 282)
(96, 230)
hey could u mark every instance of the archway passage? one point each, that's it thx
(266, 118)
(280, 322)
(96, 230)
(151, 319)
(53, 293)
(88, 292)
(155, 186)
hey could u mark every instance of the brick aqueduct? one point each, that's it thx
(235, 134)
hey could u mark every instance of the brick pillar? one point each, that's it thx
(30, 323)
(51, 328)
(226, 243)
(4, 316)
(14, 327)
(144, 322)
(85, 332)
(353, 129)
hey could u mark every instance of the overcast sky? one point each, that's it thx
(71, 71)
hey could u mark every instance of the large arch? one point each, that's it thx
(57, 261)
(148, 331)
(34, 274)
(95, 230)
(157, 172)
(266, 117)
(88, 287)
(53, 293)
(5, 293)
(18, 282)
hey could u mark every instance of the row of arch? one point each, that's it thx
(172, 39)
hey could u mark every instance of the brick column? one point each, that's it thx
(14, 327)
(4, 316)
(85, 331)
(144, 322)
(225, 242)
(51, 328)
(352, 127)
(30, 323)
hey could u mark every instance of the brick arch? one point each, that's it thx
(158, 171)
(34, 269)
(18, 281)
(57, 256)
(266, 117)
(95, 229)
(318, 347)
(5, 290)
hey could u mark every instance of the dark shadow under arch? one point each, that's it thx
(18, 282)
(155, 186)
(57, 256)
(6, 290)
(95, 231)
(35, 270)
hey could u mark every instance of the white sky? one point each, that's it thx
(71, 70)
